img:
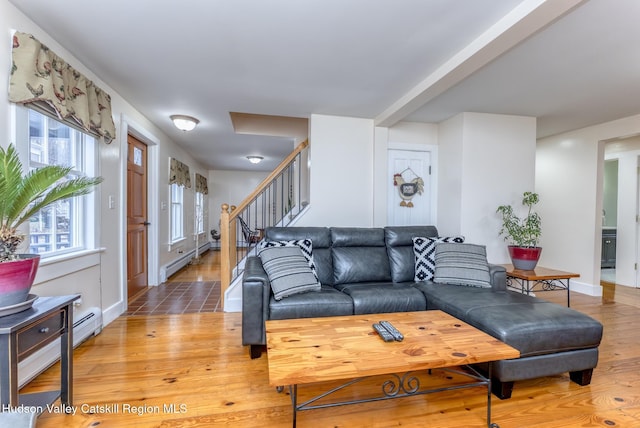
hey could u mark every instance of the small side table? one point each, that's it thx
(547, 279)
(24, 333)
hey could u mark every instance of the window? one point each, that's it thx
(177, 229)
(67, 225)
(199, 213)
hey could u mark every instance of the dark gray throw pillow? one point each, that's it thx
(288, 271)
(461, 264)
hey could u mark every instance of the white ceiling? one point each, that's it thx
(388, 60)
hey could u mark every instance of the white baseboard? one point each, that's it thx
(586, 288)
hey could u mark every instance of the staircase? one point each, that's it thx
(276, 202)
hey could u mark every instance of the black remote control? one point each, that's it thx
(394, 331)
(383, 333)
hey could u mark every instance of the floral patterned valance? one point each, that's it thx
(41, 78)
(179, 173)
(201, 184)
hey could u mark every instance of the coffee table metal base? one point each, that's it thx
(398, 386)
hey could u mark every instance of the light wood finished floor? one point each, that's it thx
(196, 363)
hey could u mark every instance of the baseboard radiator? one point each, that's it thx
(181, 262)
(84, 326)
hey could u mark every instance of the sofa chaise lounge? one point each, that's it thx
(372, 270)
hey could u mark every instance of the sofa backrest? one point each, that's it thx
(359, 255)
(399, 241)
(354, 254)
(321, 246)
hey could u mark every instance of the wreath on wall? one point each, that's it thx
(408, 189)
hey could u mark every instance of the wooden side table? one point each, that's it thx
(24, 333)
(547, 279)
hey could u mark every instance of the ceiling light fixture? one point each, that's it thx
(255, 159)
(184, 123)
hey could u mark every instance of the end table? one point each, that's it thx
(547, 279)
(22, 334)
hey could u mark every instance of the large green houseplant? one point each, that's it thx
(22, 195)
(523, 234)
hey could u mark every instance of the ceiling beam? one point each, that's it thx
(522, 22)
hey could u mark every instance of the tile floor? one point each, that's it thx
(178, 298)
(196, 288)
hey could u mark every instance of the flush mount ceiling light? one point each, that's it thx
(255, 159)
(184, 123)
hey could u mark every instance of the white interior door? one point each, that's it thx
(409, 199)
(637, 261)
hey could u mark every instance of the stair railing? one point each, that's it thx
(276, 201)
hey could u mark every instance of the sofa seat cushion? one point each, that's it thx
(531, 325)
(385, 297)
(458, 300)
(324, 303)
(537, 329)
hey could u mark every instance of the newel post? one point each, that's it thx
(225, 259)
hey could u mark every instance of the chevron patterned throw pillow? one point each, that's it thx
(424, 250)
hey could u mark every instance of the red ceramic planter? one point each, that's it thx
(16, 279)
(524, 258)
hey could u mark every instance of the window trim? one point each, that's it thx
(196, 224)
(89, 203)
(172, 220)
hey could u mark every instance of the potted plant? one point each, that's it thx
(23, 194)
(523, 234)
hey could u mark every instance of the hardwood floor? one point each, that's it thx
(190, 370)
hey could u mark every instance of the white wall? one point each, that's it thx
(229, 187)
(569, 170)
(450, 143)
(341, 179)
(99, 277)
(485, 160)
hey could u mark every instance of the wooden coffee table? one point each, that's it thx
(310, 350)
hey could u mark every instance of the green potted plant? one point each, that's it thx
(23, 194)
(523, 234)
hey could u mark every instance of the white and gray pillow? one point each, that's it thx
(461, 264)
(424, 251)
(288, 271)
(305, 245)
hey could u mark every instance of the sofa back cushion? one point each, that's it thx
(321, 246)
(399, 242)
(359, 255)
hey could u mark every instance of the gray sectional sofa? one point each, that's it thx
(371, 270)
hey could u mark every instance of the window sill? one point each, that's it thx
(59, 266)
(176, 244)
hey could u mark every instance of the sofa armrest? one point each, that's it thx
(256, 291)
(498, 276)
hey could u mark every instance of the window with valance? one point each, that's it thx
(179, 173)
(201, 184)
(42, 80)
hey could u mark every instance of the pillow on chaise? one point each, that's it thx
(461, 264)
(304, 244)
(288, 271)
(424, 250)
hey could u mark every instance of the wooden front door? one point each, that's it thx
(136, 217)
